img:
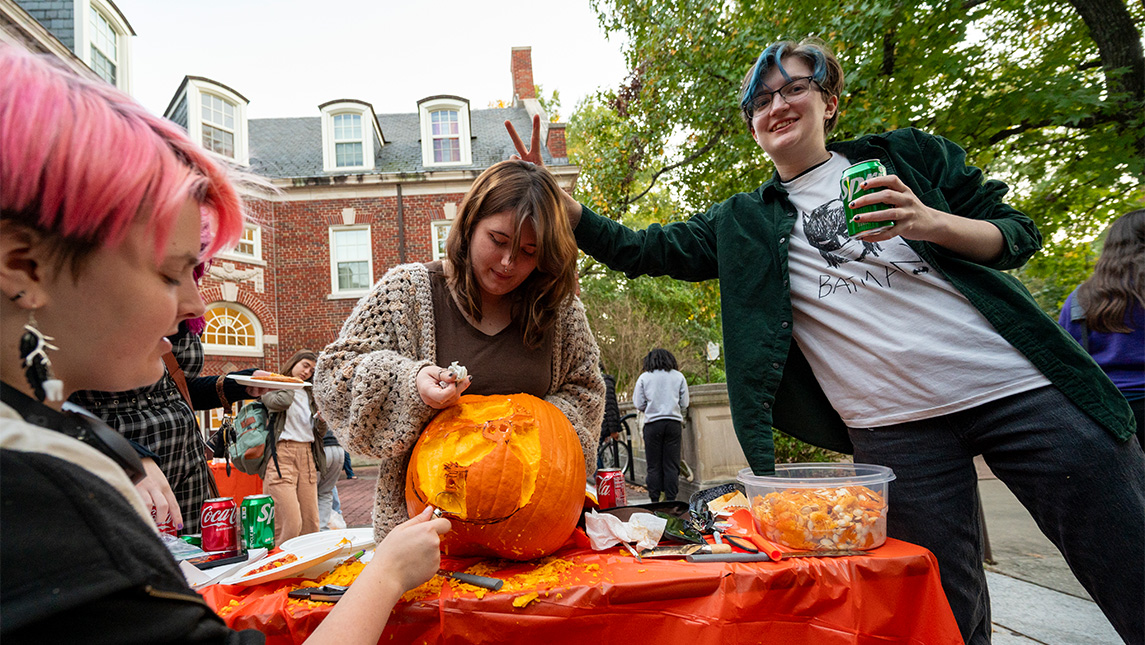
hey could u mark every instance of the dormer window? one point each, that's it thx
(214, 115)
(446, 135)
(445, 131)
(102, 40)
(218, 124)
(348, 143)
(104, 47)
(350, 135)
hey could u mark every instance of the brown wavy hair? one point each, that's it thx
(297, 358)
(1118, 280)
(531, 193)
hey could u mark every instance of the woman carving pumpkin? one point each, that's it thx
(501, 303)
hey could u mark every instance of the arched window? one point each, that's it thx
(445, 131)
(350, 135)
(102, 36)
(232, 330)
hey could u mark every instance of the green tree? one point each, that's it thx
(1047, 95)
(629, 318)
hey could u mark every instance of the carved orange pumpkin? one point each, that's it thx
(507, 470)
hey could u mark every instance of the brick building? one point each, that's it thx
(359, 192)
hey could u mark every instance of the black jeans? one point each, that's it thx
(1085, 490)
(662, 450)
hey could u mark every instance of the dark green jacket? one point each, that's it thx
(743, 242)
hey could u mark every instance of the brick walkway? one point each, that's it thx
(357, 496)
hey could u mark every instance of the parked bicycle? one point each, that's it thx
(615, 453)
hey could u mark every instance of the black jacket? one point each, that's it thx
(81, 566)
(611, 421)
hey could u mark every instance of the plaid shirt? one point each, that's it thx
(157, 418)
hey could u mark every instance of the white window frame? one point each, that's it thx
(359, 140)
(193, 96)
(123, 31)
(212, 349)
(425, 109)
(437, 239)
(204, 122)
(370, 134)
(239, 256)
(335, 291)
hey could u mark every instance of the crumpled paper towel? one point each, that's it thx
(606, 530)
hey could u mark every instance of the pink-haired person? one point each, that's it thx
(101, 205)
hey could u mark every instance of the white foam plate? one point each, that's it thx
(272, 385)
(359, 538)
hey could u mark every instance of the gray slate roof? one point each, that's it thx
(287, 148)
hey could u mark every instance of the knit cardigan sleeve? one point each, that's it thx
(365, 382)
(577, 388)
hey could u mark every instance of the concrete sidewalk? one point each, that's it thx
(1034, 598)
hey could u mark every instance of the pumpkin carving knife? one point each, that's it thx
(492, 584)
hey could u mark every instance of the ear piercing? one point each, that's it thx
(34, 346)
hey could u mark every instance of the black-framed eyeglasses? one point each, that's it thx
(794, 91)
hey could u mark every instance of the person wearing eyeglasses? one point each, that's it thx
(907, 344)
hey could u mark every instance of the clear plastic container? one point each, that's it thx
(820, 506)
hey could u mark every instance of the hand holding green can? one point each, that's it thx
(852, 178)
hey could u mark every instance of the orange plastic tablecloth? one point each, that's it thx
(237, 485)
(892, 595)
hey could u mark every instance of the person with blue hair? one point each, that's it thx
(906, 344)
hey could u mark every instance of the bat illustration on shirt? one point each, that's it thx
(826, 230)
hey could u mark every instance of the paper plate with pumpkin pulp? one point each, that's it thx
(285, 564)
(267, 384)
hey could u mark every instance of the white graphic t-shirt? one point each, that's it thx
(888, 338)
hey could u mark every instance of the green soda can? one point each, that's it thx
(849, 182)
(258, 522)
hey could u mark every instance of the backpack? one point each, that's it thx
(249, 439)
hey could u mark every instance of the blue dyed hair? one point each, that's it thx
(825, 71)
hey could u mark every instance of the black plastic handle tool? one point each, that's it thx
(728, 557)
(740, 543)
(326, 593)
(493, 584)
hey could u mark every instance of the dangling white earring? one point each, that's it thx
(34, 348)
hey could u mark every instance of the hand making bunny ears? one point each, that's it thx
(531, 154)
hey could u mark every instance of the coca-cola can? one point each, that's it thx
(219, 522)
(167, 527)
(610, 491)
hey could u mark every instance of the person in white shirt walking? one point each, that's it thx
(662, 395)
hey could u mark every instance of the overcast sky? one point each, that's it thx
(288, 56)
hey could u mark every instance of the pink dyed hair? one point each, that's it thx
(82, 162)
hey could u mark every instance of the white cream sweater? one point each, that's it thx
(365, 381)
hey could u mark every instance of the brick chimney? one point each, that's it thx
(522, 68)
(555, 141)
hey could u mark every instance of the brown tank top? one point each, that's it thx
(500, 364)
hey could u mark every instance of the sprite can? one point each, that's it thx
(849, 182)
(258, 522)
